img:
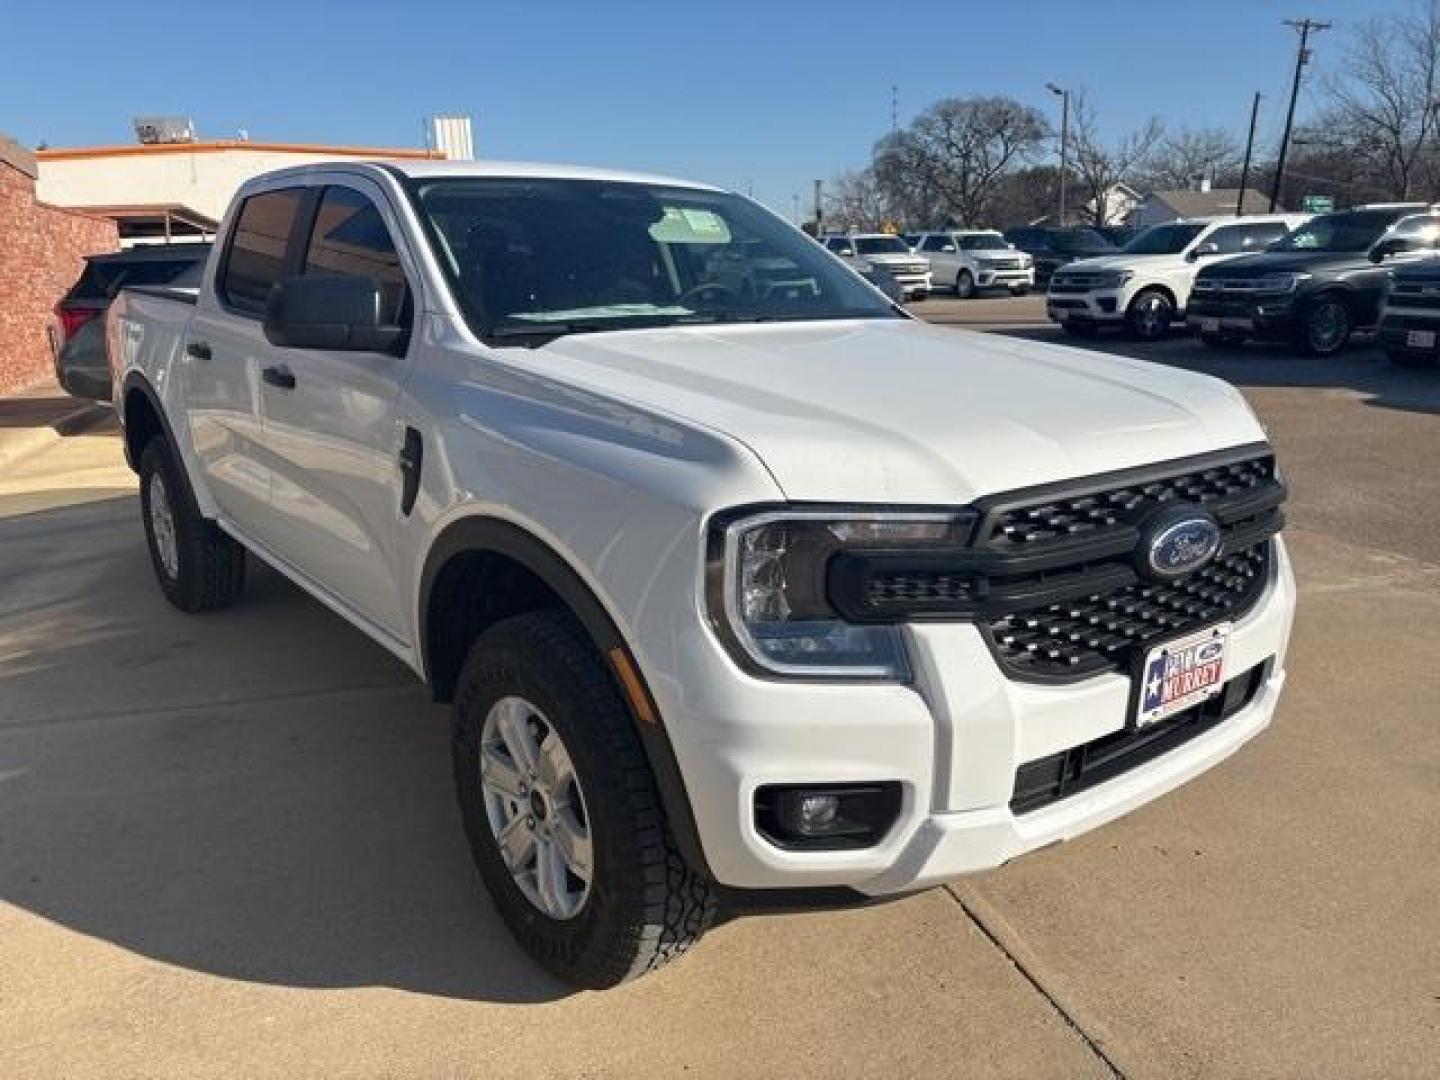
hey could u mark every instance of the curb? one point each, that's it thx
(19, 444)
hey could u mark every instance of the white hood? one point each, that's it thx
(898, 411)
(1119, 262)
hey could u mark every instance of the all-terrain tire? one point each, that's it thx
(646, 905)
(199, 568)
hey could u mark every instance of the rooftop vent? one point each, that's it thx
(151, 130)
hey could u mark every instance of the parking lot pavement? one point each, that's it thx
(227, 843)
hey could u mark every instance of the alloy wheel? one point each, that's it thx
(1328, 327)
(162, 526)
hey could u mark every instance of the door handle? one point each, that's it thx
(279, 376)
(200, 350)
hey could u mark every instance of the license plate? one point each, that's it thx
(1182, 673)
(1420, 339)
(1209, 326)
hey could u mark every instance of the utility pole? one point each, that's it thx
(1064, 96)
(1249, 146)
(795, 198)
(819, 212)
(894, 108)
(1302, 57)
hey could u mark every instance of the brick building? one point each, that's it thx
(41, 254)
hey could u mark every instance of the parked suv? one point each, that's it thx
(888, 252)
(1410, 316)
(1053, 248)
(1146, 285)
(1315, 287)
(772, 595)
(969, 261)
(82, 365)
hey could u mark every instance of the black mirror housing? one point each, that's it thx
(329, 311)
(1394, 246)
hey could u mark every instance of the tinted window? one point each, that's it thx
(840, 245)
(1081, 240)
(103, 278)
(1348, 231)
(350, 238)
(983, 242)
(937, 243)
(256, 258)
(1232, 239)
(881, 245)
(1422, 227)
(1168, 239)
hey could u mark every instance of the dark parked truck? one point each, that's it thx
(1318, 285)
(1410, 319)
(753, 594)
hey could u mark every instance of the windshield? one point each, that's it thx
(984, 241)
(1168, 239)
(1081, 240)
(881, 245)
(548, 256)
(1355, 230)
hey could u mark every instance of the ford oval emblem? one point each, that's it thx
(1179, 543)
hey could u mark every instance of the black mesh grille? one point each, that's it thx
(1100, 632)
(1077, 515)
(919, 587)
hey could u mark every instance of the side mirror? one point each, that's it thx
(1203, 250)
(1394, 246)
(329, 311)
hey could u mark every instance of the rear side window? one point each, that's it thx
(256, 258)
(350, 238)
(1254, 237)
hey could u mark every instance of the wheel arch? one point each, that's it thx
(512, 570)
(1154, 286)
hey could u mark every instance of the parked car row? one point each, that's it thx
(1312, 282)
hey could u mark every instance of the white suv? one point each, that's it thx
(888, 253)
(1146, 285)
(968, 261)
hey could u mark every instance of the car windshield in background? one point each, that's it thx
(549, 256)
(982, 242)
(881, 245)
(1352, 231)
(1082, 240)
(1168, 239)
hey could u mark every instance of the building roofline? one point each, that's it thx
(211, 146)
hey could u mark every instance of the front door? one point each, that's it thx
(331, 434)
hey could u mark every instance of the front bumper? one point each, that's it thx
(1099, 306)
(954, 741)
(991, 278)
(1263, 318)
(914, 284)
(1399, 329)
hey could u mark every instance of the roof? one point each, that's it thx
(534, 170)
(215, 146)
(1217, 202)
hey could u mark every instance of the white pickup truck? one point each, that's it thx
(742, 587)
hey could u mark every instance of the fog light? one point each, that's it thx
(827, 817)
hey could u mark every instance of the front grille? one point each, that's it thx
(1047, 780)
(1103, 631)
(1071, 515)
(1002, 264)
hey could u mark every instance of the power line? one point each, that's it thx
(1302, 57)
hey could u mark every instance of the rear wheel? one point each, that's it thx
(561, 809)
(1150, 315)
(199, 568)
(1326, 327)
(964, 285)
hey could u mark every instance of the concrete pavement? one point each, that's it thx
(228, 845)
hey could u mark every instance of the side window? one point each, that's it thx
(350, 238)
(256, 257)
(935, 243)
(1232, 239)
(839, 245)
(1421, 229)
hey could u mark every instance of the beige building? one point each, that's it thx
(160, 191)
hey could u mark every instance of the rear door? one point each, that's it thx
(227, 351)
(332, 439)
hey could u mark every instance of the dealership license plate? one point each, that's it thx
(1182, 673)
(1209, 326)
(1420, 339)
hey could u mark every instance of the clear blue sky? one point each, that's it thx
(738, 93)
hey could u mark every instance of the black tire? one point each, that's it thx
(1221, 341)
(207, 571)
(964, 285)
(1326, 326)
(1075, 328)
(645, 905)
(1150, 315)
(1406, 359)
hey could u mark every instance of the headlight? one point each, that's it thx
(1113, 279)
(768, 586)
(1281, 283)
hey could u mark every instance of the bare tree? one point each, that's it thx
(855, 201)
(1101, 165)
(948, 162)
(1183, 159)
(1383, 100)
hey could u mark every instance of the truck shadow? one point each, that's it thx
(260, 794)
(1362, 368)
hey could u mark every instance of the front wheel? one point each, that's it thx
(1150, 315)
(964, 285)
(561, 810)
(199, 568)
(1326, 327)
